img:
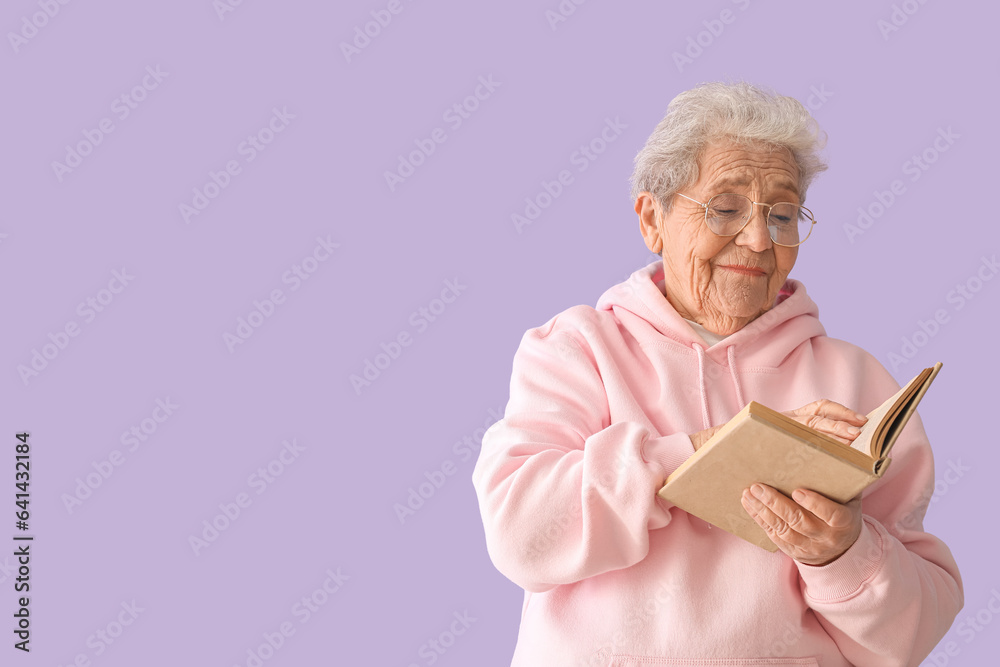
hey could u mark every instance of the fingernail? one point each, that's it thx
(853, 430)
(757, 490)
(861, 416)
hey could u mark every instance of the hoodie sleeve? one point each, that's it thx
(564, 494)
(891, 597)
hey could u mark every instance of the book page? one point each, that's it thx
(885, 438)
(868, 441)
(863, 442)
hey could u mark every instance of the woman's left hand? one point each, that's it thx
(810, 528)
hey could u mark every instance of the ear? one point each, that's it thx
(647, 208)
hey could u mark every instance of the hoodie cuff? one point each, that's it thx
(668, 451)
(845, 577)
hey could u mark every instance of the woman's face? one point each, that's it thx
(702, 281)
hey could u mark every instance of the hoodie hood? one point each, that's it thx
(639, 303)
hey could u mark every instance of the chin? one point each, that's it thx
(745, 308)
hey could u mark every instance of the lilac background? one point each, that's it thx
(884, 98)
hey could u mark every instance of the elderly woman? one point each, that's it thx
(606, 402)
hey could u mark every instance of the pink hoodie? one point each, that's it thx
(601, 404)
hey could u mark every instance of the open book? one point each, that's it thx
(762, 445)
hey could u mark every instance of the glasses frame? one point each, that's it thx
(809, 214)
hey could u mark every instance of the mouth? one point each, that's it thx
(746, 270)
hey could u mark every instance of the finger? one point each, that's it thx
(781, 513)
(828, 511)
(824, 426)
(754, 508)
(839, 430)
(836, 411)
(787, 510)
(776, 530)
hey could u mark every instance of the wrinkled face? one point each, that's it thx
(724, 282)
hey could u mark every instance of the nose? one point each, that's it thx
(754, 234)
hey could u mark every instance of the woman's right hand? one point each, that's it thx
(826, 416)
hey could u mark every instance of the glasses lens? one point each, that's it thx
(788, 224)
(727, 213)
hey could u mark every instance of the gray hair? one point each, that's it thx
(749, 115)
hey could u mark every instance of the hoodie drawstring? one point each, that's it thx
(732, 373)
(705, 417)
(701, 385)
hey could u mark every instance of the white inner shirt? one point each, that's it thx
(708, 336)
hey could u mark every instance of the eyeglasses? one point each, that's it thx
(727, 214)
